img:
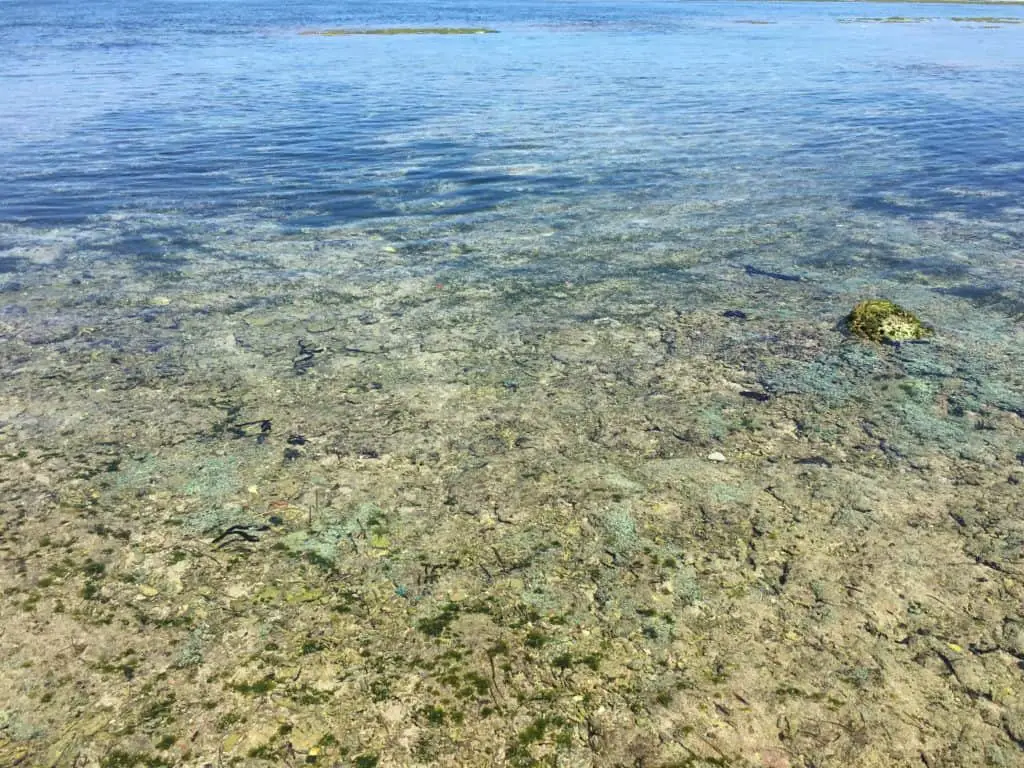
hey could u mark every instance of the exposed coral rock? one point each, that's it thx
(881, 320)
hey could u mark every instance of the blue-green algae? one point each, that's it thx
(620, 529)
(832, 378)
(325, 542)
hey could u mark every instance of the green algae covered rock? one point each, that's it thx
(402, 31)
(882, 321)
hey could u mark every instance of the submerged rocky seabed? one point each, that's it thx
(342, 497)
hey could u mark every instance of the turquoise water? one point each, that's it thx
(675, 118)
(181, 162)
(487, 399)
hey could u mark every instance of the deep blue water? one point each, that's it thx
(215, 113)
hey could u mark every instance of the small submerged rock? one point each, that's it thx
(883, 321)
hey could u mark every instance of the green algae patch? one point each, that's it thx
(882, 321)
(886, 20)
(986, 20)
(402, 31)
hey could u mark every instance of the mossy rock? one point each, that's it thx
(402, 31)
(882, 321)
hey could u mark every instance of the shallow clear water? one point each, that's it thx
(677, 117)
(789, 158)
(461, 400)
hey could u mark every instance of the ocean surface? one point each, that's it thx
(487, 399)
(144, 131)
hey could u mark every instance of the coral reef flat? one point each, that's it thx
(444, 400)
(444, 519)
